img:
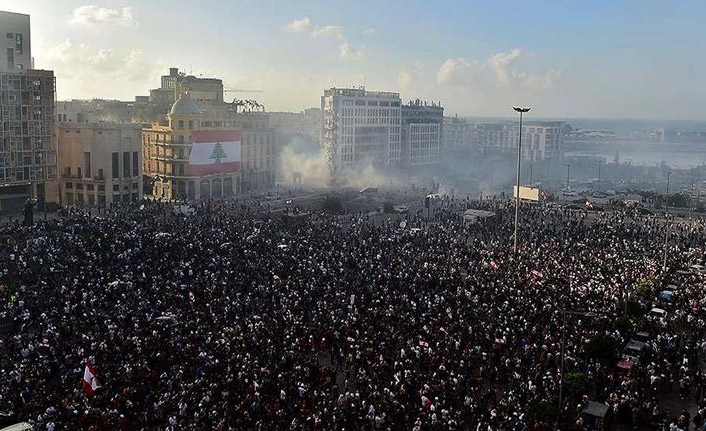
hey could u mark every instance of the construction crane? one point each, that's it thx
(239, 90)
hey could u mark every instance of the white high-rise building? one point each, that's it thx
(360, 127)
(540, 140)
(27, 149)
(16, 51)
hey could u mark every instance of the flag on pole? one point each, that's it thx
(214, 152)
(537, 275)
(90, 381)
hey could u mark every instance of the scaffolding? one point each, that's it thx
(27, 152)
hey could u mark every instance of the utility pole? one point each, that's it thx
(517, 190)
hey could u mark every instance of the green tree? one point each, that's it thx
(678, 200)
(575, 385)
(218, 153)
(602, 348)
(332, 204)
(388, 208)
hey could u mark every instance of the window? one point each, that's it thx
(9, 35)
(90, 187)
(126, 164)
(135, 164)
(18, 43)
(79, 172)
(134, 186)
(10, 58)
(181, 124)
(100, 174)
(116, 188)
(116, 169)
(87, 163)
(79, 186)
(69, 185)
(101, 188)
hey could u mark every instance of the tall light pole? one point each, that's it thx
(666, 196)
(568, 170)
(517, 190)
(563, 342)
(599, 170)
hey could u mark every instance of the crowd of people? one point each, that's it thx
(232, 319)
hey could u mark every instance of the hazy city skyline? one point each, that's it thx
(627, 60)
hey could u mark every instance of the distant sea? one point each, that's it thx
(646, 153)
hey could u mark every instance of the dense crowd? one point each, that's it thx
(231, 319)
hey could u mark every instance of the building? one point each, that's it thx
(540, 140)
(75, 111)
(421, 133)
(27, 150)
(458, 134)
(15, 42)
(306, 123)
(100, 163)
(360, 127)
(167, 150)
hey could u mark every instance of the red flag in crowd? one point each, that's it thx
(90, 381)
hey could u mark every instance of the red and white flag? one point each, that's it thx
(214, 152)
(538, 275)
(90, 381)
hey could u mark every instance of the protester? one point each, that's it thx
(229, 319)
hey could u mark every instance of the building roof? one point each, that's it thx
(185, 106)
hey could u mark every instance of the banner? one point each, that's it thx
(214, 152)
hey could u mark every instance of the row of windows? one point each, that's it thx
(362, 102)
(92, 199)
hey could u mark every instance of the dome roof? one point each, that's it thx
(185, 106)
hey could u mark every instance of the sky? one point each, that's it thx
(564, 58)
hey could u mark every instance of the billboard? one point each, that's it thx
(214, 152)
(527, 193)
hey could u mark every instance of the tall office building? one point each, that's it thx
(458, 134)
(421, 133)
(540, 140)
(15, 42)
(360, 127)
(27, 151)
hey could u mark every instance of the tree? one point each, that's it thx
(388, 208)
(700, 207)
(602, 348)
(218, 153)
(678, 200)
(332, 204)
(575, 384)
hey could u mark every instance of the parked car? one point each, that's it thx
(657, 316)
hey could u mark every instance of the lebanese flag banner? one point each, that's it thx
(214, 152)
(90, 381)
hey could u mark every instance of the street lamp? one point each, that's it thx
(669, 174)
(568, 170)
(666, 241)
(519, 161)
(599, 170)
(563, 342)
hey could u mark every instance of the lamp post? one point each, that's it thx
(568, 170)
(666, 241)
(517, 190)
(669, 174)
(599, 171)
(563, 342)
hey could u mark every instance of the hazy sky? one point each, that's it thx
(598, 58)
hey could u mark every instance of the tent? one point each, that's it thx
(474, 216)
(594, 415)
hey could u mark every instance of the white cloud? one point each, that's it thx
(404, 79)
(85, 70)
(328, 31)
(457, 71)
(496, 70)
(298, 25)
(501, 61)
(92, 15)
(369, 30)
(348, 52)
